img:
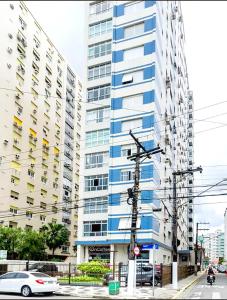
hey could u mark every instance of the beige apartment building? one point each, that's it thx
(40, 116)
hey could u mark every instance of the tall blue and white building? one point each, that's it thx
(136, 80)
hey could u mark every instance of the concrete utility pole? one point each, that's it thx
(134, 195)
(196, 244)
(174, 225)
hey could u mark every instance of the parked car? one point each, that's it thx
(27, 283)
(48, 268)
(221, 269)
(144, 274)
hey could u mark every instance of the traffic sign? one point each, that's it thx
(136, 250)
(149, 247)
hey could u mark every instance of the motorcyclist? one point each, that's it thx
(210, 271)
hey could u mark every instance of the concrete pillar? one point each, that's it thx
(112, 254)
(79, 257)
(86, 258)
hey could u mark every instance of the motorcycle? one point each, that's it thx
(210, 279)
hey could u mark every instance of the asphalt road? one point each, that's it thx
(202, 290)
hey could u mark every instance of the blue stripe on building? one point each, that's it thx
(114, 199)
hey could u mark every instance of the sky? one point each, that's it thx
(205, 26)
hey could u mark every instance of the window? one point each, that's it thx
(29, 214)
(14, 195)
(96, 182)
(126, 223)
(96, 205)
(134, 7)
(98, 93)
(127, 150)
(127, 175)
(99, 71)
(100, 7)
(96, 160)
(132, 77)
(98, 115)
(13, 210)
(132, 124)
(95, 228)
(134, 30)
(99, 49)
(30, 200)
(98, 137)
(131, 102)
(100, 28)
(133, 53)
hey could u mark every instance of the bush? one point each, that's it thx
(94, 268)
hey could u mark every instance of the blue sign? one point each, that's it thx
(149, 247)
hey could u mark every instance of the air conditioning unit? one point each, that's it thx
(173, 16)
(9, 66)
(166, 179)
(30, 135)
(15, 141)
(17, 156)
(18, 96)
(6, 142)
(20, 128)
(34, 122)
(34, 111)
(30, 150)
(55, 166)
(45, 172)
(32, 165)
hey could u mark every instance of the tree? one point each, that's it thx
(31, 245)
(55, 235)
(9, 240)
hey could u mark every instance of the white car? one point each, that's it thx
(27, 283)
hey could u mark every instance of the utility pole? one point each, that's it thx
(133, 194)
(174, 224)
(196, 244)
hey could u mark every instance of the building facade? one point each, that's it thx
(225, 235)
(136, 80)
(214, 245)
(40, 128)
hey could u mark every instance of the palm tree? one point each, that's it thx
(56, 235)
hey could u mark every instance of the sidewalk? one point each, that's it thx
(167, 292)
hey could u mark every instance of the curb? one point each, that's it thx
(187, 286)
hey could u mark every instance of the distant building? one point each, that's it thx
(214, 245)
(225, 235)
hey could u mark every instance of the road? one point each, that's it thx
(202, 290)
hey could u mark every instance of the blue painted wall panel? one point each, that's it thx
(149, 3)
(149, 24)
(146, 172)
(114, 199)
(118, 34)
(113, 224)
(117, 56)
(148, 97)
(117, 79)
(146, 197)
(148, 121)
(115, 127)
(146, 222)
(149, 72)
(148, 145)
(115, 151)
(149, 48)
(114, 175)
(116, 103)
(118, 10)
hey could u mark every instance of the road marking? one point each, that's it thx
(216, 295)
(209, 286)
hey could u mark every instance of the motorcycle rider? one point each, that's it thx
(210, 271)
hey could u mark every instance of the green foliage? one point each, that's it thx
(9, 240)
(221, 260)
(82, 278)
(55, 235)
(94, 268)
(32, 245)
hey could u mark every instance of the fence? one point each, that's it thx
(70, 274)
(183, 272)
